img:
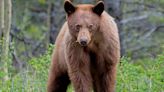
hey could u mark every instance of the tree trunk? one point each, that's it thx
(5, 25)
(49, 13)
(1, 17)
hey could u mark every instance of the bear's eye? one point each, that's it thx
(78, 27)
(90, 26)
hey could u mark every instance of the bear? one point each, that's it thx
(87, 50)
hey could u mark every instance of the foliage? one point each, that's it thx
(144, 76)
(40, 64)
(141, 77)
(31, 79)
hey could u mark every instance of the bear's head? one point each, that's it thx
(83, 20)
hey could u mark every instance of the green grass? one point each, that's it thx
(136, 78)
(144, 76)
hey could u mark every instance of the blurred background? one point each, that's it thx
(36, 23)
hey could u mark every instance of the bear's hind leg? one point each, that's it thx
(96, 85)
(59, 83)
(62, 83)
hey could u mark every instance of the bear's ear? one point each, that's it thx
(99, 8)
(69, 7)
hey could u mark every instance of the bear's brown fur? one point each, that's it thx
(87, 51)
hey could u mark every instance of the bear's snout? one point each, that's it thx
(83, 41)
(84, 37)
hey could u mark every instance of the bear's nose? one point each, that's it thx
(83, 42)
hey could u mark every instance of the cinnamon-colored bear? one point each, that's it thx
(87, 51)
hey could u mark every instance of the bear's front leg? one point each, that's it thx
(108, 80)
(79, 70)
(58, 79)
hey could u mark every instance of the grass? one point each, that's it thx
(145, 76)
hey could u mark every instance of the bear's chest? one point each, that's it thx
(97, 63)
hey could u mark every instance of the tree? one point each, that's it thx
(5, 25)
